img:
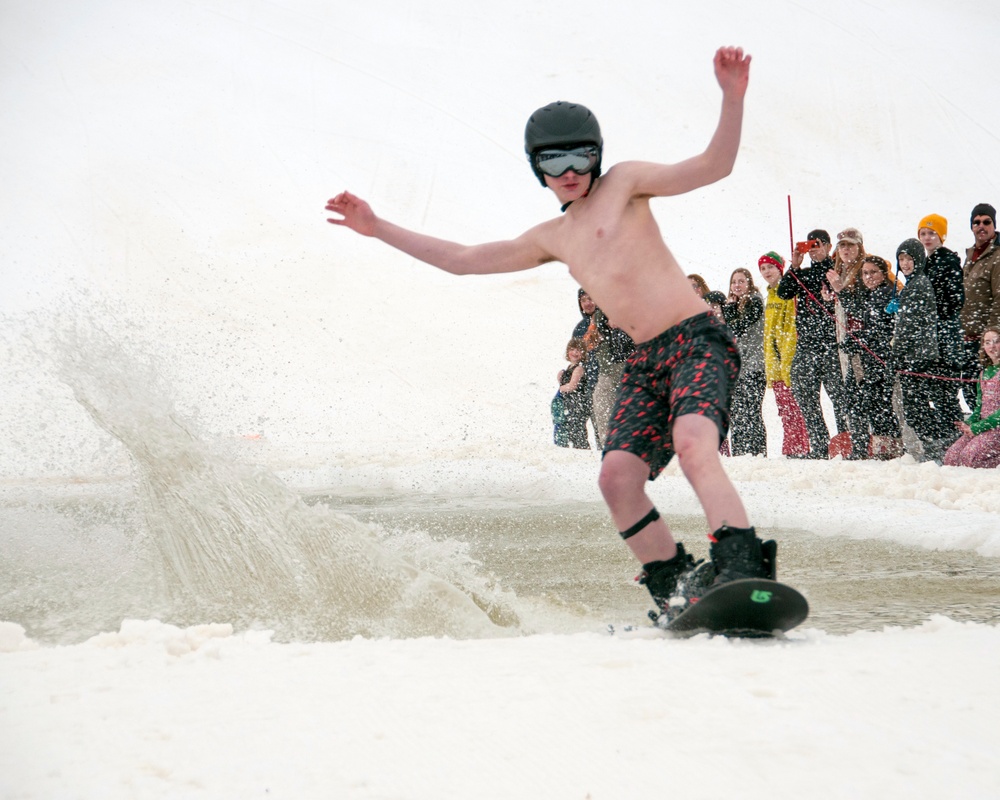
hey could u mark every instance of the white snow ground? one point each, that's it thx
(165, 168)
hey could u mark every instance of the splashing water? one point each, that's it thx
(223, 541)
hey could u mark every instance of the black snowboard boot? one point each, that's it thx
(738, 553)
(675, 584)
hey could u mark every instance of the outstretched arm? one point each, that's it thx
(521, 253)
(732, 70)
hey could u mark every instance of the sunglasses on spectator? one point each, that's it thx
(554, 162)
(983, 222)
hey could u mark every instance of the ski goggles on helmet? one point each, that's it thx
(558, 161)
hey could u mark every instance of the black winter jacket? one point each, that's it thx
(874, 326)
(944, 268)
(815, 322)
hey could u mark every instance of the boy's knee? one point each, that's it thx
(619, 477)
(696, 438)
(609, 480)
(694, 458)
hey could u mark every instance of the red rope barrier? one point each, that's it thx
(865, 347)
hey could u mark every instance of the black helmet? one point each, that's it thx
(561, 124)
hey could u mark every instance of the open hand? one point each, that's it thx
(355, 213)
(732, 70)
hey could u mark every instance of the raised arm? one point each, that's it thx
(521, 253)
(732, 70)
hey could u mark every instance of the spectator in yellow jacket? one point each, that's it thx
(779, 349)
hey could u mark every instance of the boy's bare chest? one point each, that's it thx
(592, 234)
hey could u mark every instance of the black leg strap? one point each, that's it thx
(652, 516)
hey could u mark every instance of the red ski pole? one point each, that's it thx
(791, 236)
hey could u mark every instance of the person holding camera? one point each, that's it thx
(816, 364)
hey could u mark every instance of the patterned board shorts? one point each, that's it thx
(688, 369)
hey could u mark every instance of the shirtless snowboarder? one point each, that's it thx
(675, 393)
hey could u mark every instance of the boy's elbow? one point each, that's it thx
(726, 170)
(716, 170)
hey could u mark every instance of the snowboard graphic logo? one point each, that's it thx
(748, 607)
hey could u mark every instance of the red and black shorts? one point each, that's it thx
(690, 368)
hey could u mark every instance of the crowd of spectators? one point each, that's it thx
(896, 349)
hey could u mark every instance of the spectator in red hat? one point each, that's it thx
(779, 350)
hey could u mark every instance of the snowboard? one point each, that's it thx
(747, 608)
